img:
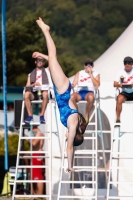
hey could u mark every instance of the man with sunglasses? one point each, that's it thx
(40, 79)
(124, 80)
(86, 80)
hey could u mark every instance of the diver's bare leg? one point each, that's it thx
(61, 82)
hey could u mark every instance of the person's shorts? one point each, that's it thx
(83, 93)
(37, 174)
(129, 96)
(36, 96)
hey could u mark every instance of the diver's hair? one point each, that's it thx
(78, 140)
(81, 127)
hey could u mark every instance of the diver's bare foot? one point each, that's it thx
(69, 170)
(42, 25)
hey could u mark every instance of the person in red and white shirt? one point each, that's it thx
(40, 80)
(85, 82)
(124, 80)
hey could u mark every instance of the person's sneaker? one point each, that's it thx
(28, 119)
(117, 123)
(42, 120)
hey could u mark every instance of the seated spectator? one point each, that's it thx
(40, 79)
(86, 80)
(124, 80)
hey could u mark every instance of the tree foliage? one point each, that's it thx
(80, 29)
(12, 144)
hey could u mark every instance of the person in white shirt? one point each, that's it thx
(84, 84)
(124, 80)
(41, 81)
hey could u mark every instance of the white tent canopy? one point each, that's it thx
(112, 60)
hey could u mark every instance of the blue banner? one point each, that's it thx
(3, 28)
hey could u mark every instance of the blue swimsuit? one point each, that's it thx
(63, 105)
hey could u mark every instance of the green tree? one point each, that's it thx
(80, 29)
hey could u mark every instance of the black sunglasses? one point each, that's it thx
(88, 63)
(40, 60)
(128, 62)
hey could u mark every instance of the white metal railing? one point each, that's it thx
(47, 152)
(89, 154)
(116, 156)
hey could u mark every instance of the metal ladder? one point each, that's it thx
(85, 176)
(118, 159)
(48, 153)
